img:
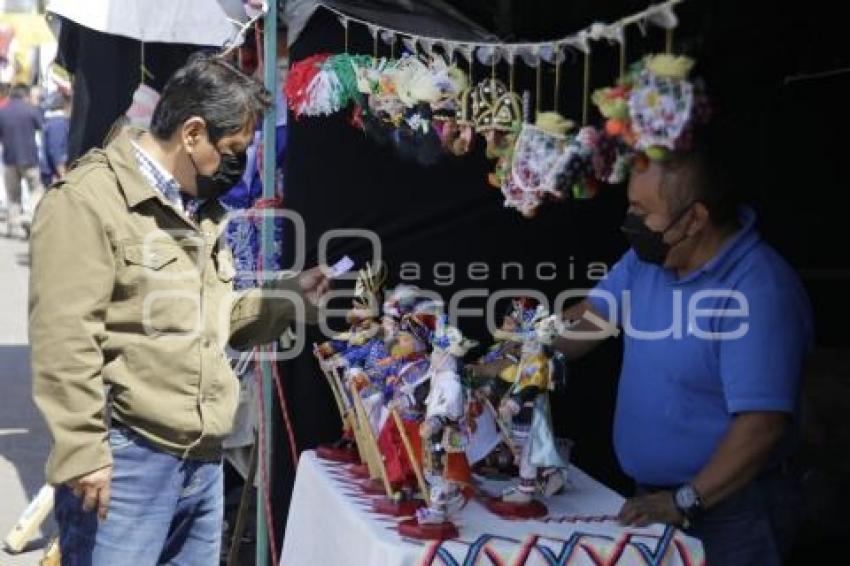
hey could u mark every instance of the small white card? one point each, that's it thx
(341, 267)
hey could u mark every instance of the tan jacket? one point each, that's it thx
(127, 292)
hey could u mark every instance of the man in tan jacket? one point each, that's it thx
(131, 305)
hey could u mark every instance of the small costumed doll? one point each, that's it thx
(349, 352)
(525, 409)
(445, 464)
(367, 373)
(495, 373)
(406, 389)
(402, 361)
(340, 358)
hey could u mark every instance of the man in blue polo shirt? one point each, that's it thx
(716, 328)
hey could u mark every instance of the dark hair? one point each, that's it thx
(214, 90)
(704, 174)
(20, 91)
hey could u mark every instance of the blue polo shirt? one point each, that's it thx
(727, 338)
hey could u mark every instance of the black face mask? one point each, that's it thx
(649, 245)
(229, 172)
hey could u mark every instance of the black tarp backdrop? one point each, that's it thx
(784, 147)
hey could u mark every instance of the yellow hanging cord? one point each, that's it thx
(586, 88)
(669, 41)
(539, 89)
(143, 71)
(557, 81)
(623, 56)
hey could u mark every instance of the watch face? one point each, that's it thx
(686, 497)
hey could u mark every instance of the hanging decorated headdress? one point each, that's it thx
(574, 173)
(535, 160)
(656, 108)
(494, 107)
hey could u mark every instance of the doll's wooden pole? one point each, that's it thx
(372, 445)
(340, 404)
(411, 455)
(351, 417)
(322, 364)
(337, 398)
(506, 434)
(344, 412)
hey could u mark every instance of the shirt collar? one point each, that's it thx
(731, 250)
(164, 182)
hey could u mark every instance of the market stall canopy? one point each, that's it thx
(419, 17)
(196, 22)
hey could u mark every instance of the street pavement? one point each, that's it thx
(24, 441)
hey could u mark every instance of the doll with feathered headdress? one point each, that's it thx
(444, 446)
(525, 411)
(356, 352)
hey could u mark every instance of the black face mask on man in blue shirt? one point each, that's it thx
(649, 244)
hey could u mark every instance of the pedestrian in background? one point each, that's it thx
(54, 143)
(19, 122)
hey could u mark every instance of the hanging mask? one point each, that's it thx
(229, 172)
(495, 107)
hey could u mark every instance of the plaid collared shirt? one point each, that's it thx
(165, 183)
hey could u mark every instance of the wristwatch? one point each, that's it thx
(689, 502)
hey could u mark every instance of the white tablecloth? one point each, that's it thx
(331, 523)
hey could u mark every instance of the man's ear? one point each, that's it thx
(701, 218)
(192, 131)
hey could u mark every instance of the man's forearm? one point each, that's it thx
(584, 332)
(740, 456)
(490, 369)
(261, 315)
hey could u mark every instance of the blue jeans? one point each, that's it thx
(754, 526)
(163, 510)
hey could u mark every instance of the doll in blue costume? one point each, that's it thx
(357, 353)
(406, 390)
